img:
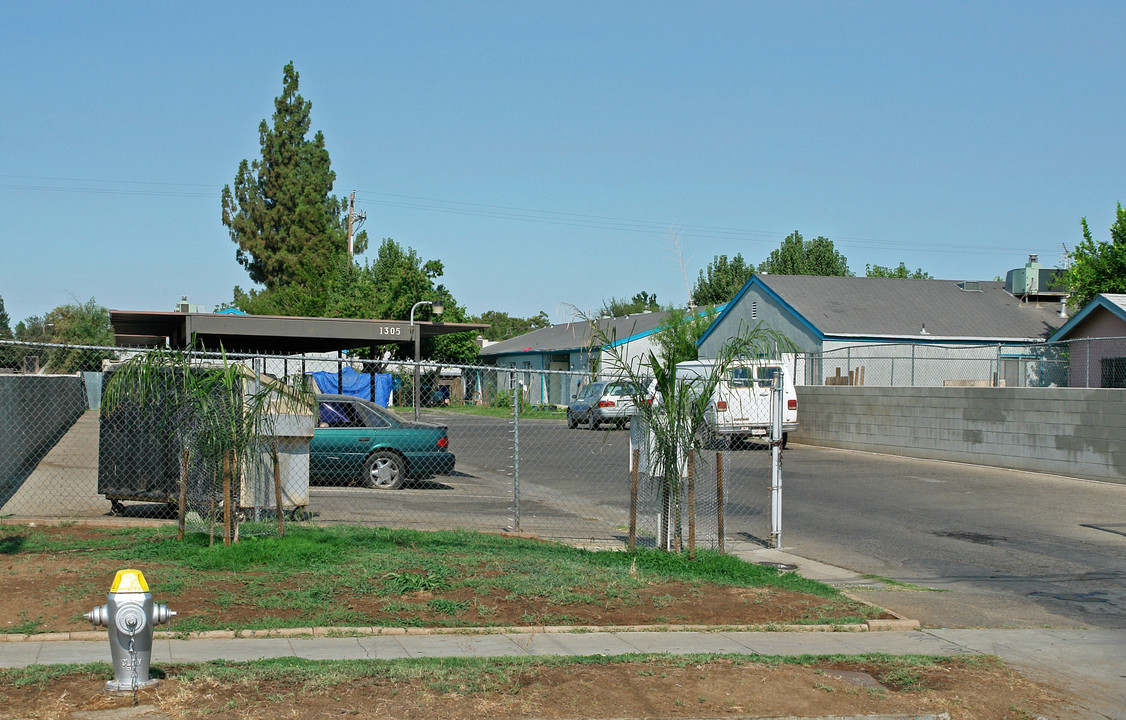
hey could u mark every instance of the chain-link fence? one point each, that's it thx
(1084, 362)
(484, 454)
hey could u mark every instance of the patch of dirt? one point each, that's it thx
(658, 688)
(49, 592)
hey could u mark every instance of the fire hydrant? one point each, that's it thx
(130, 615)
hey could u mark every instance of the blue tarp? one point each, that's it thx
(358, 384)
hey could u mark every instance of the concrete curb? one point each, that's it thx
(897, 625)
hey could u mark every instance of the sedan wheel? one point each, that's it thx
(384, 470)
(571, 422)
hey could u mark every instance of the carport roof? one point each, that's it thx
(269, 333)
(577, 335)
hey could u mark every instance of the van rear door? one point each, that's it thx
(743, 401)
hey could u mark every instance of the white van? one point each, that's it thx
(740, 405)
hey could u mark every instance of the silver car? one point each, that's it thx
(605, 401)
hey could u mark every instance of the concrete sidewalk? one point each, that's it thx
(1091, 664)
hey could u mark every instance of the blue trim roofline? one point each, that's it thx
(1100, 301)
(585, 348)
(721, 308)
(754, 281)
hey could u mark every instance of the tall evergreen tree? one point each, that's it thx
(287, 225)
(5, 327)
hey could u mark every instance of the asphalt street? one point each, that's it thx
(1013, 549)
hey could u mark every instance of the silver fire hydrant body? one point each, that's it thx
(131, 616)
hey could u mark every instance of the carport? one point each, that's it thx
(273, 334)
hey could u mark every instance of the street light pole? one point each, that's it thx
(436, 307)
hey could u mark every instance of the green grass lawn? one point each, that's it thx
(359, 576)
(481, 674)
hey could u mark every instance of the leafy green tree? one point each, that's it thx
(34, 329)
(72, 324)
(1097, 266)
(290, 230)
(723, 280)
(383, 289)
(896, 272)
(680, 329)
(81, 324)
(619, 307)
(799, 257)
(503, 326)
(399, 278)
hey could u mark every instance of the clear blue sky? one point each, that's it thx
(548, 153)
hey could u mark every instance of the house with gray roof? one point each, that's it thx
(569, 351)
(1096, 341)
(893, 331)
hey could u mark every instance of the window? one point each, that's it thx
(339, 414)
(766, 375)
(1114, 372)
(371, 417)
(739, 377)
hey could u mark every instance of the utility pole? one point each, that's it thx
(351, 209)
(352, 217)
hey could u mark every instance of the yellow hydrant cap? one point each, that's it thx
(127, 581)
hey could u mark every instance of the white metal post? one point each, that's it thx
(777, 404)
(416, 332)
(516, 398)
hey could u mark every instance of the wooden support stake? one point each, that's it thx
(633, 499)
(182, 509)
(719, 497)
(691, 505)
(226, 499)
(211, 510)
(278, 490)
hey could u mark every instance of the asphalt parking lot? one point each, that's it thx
(1010, 548)
(573, 484)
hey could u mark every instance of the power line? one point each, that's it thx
(505, 212)
(105, 191)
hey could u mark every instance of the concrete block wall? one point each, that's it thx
(1076, 432)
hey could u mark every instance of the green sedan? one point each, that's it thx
(359, 441)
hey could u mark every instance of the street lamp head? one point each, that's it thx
(437, 307)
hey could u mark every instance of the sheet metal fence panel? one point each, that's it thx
(64, 456)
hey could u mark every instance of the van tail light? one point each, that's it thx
(792, 404)
(721, 406)
(606, 403)
(443, 442)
